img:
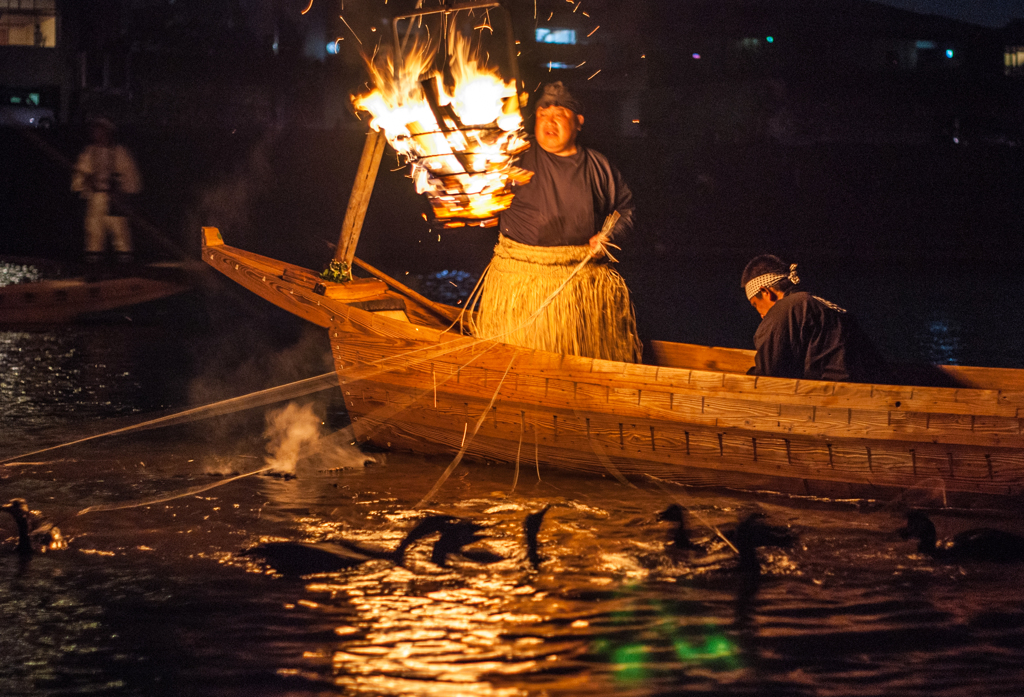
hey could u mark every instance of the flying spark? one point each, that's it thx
(350, 29)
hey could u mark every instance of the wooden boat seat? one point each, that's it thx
(356, 289)
(672, 355)
(388, 302)
(391, 306)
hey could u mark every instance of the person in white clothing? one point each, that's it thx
(104, 174)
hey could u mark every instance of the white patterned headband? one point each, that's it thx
(759, 283)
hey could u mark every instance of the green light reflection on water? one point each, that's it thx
(711, 648)
(630, 662)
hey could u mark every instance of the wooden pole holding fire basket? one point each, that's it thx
(359, 199)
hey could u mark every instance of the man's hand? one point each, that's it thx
(600, 242)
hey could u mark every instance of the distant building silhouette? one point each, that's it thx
(784, 70)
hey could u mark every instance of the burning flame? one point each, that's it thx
(461, 140)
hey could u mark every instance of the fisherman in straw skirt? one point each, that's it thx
(550, 284)
(801, 335)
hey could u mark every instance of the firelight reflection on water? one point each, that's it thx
(11, 273)
(943, 342)
(604, 613)
(159, 597)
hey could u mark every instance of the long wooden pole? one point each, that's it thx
(446, 312)
(359, 199)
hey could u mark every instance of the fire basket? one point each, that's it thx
(442, 101)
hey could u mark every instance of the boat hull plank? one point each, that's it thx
(54, 302)
(801, 392)
(635, 442)
(710, 458)
(461, 368)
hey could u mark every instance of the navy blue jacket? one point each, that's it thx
(567, 199)
(806, 337)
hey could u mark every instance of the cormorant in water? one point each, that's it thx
(681, 537)
(456, 534)
(301, 558)
(460, 533)
(531, 527)
(751, 533)
(33, 533)
(977, 544)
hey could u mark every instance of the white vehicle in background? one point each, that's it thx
(22, 108)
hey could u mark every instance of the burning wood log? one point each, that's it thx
(457, 125)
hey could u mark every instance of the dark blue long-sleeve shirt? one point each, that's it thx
(567, 199)
(805, 337)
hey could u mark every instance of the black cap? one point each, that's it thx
(557, 94)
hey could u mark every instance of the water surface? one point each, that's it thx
(156, 597)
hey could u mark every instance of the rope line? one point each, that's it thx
(462, 451)
(329, 380)
(603, 457)
(270, 395)
(169, 497)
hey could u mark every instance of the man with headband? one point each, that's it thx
(804, 336)
(552, 226)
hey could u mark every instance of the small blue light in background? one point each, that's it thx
(769, 39)
(949, 53)
(696, 56)
(332, 48)
(543, 35)
(558, 65)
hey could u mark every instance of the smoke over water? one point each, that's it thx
(229, 202)
(295, 433)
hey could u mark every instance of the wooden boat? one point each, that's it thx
(692, 415)
(62, 300)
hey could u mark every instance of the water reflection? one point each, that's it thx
(449, 286)
(162, 592)
(612, 609)
(11, 273)
(433, 635)
(49, 375)
(941, 341)
(47, 622)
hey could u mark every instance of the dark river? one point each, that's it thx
(154, 596)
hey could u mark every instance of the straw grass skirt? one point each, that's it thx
(590, 316)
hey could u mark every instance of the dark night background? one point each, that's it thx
(843, 132)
